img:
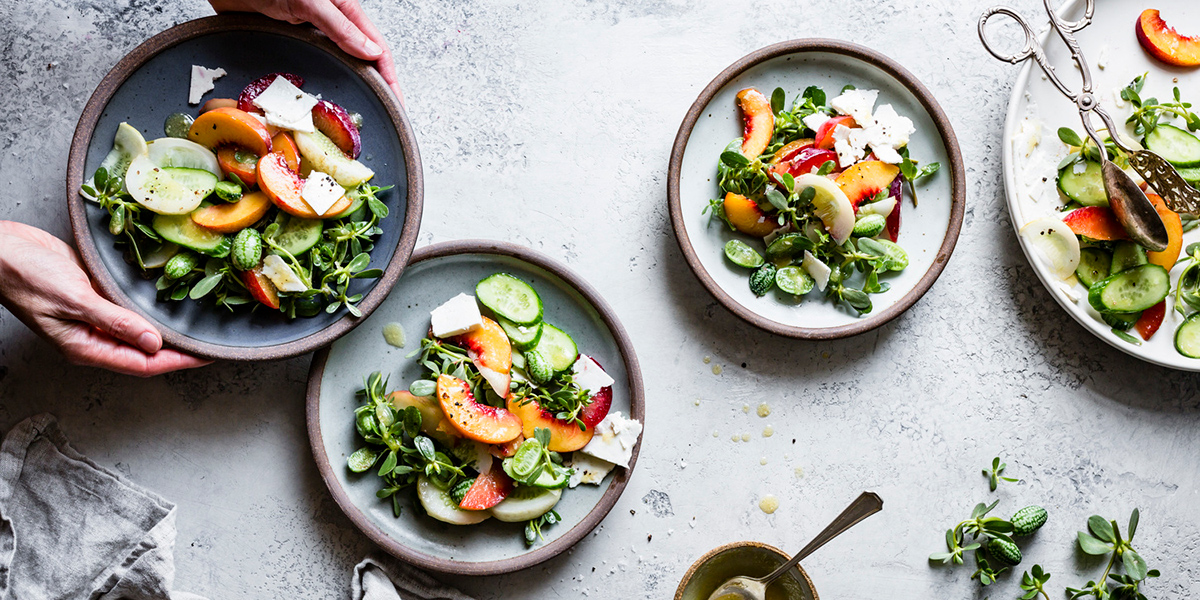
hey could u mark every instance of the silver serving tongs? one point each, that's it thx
(1128, 202)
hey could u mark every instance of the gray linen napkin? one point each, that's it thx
(71, 529)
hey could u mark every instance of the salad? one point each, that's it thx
(256, 201)
(818, 190)
(505, 418)
(1127, 285)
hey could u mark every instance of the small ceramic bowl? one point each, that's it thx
(928, 232)
(749, 559)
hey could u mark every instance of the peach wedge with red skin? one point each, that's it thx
(479, 422)
(230, 126)
(864, 180)
(564, 436)
(261, 288)
(283, 186)
(760, 122)
(491, 352)
(333, 121)
(1166, 44)
(747, 217)
(232, 218)
(240, 162)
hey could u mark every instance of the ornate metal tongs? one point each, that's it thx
(1129, 203)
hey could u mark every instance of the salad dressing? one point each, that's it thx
(393, 334)
(769, 504)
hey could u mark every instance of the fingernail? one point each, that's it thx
(149, 342)
(373, 48)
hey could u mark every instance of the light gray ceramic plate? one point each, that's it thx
(435, 274)
(928, 232)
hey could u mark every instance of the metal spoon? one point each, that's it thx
(749, 588)
(1128, 202)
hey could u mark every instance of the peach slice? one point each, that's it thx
(260, 287)
(473, 420)
(1095, 222)
(222, 126)
(760, 122)
(232, 218)
(240, 162)
(747, 217)
(491, 352)
(214, 103)
(283, 144)
(598, 409)
(789, 150)
(1164, 43)
(433, 420)
(564, 436)
(864, 180)
(507, 449)
(825, 133)
(283, 186)
(488, 490)
(1166, 258)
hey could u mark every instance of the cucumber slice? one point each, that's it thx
(1187, 340)
(181, 230)
(741, 254)
(438, 503)
(1190, 175)
(1086, 188)
(1177, 146)
(325, 156)
(1127, 255)
(525, 503)
(356, 204)
(128, 144)
(1133, 290)
(158, 257)
(1121, 321)
(523, 337)
(557, 348)
(168, 190)
(297, 235)
(794, 280)
(553, 479)
(1094, 264)
(182, 154)
(510, 298)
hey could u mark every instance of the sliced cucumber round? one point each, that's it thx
(1190, 175)
(510, 298)
(297, 235)
(741, 254)
(168, 190)
(1132, 290)
(181, 230)
(158, 257)
(128, 144)
(1127, 255)
(523, 337)
(182, 154)
(525, 503)
(438, 503)
(1177, 146)
(1094, 264)
(325, 156)
(1187, 339)
(557, 348)
(1086, 188)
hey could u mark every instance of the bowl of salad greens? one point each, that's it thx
(816, 189)
(246, 186)
(485, 418)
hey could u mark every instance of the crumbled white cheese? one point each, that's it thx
(849, 146)
(1102, 57)
(202, 82)
(588, 469)
(857, 104)
(321, 192)
(815, 121)
(287, 106)
(589, 376)
(457, 316)
(614, 439)
(1117, 99)
(817, 269)
(889, 133)
(282, 275)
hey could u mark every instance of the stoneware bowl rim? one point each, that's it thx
(892, 69)
(581, 529)
(691, 572)
(131, 63)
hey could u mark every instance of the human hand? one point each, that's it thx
(43, 283)
(342, 20)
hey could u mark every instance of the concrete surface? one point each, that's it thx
(549, 124)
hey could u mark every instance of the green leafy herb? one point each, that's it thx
(1149, 113)
(533, 529)
(1033, 582)
(995, 474)
(1104, 538)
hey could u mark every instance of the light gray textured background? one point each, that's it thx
(549, 124)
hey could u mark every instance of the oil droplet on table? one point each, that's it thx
(707, 359)
(799, 472)
(697, 402)
(762, 461)
(717, 369)
(769, 504)
(716, 433)
(768, 431)
(736, 437)
(745, 437)
(393, 334)
(746, 408)
(764, 410)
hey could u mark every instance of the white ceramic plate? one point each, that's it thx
(1108, 41)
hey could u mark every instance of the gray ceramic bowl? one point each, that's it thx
(748, 559)
(436, 274)
(152, 82)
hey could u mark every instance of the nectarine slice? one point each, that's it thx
(232, 218)
(283, 144)
(1095, 222)
(491, 352)
(284, 185)
(1166, 258)
(789, 150)
(1164, 43)
(825, 133)
(473, 420)
(240, 162)
(225, 125)
(747, 217)
(760, 122)
(260, 287)
(489, 489)
(214, 103)
(564, 436)
(862, 181)
(433, 420)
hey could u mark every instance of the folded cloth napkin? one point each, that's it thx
(70, 528)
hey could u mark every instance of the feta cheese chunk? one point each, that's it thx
(587, 469)
(321, 192)
(848, 144)
(815, 121)
(202, 82)
(457, 316)
(614, 439)
(889, 133)
(817, 269)
(287, 106)
(857, 104)
(282, 275)
(589, 376)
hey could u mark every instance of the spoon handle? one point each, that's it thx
(867, 504)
